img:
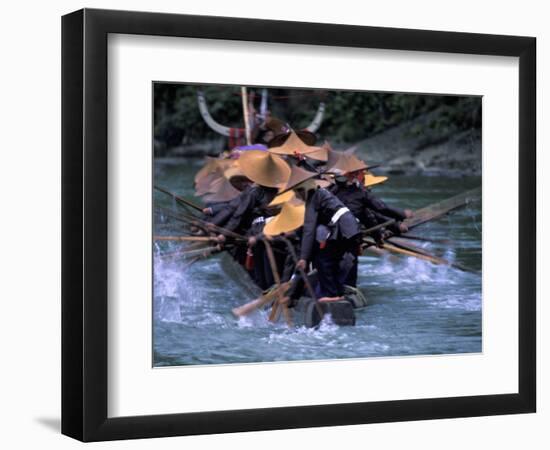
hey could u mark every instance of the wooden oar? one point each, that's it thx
(180, 200)
(377, 227)
(247, 308)
(184, 238)
(410, 247)
(205, 226)
(212, 227)
(405, 250)
(188, 223)
(303, 274)
(433, 211)
(202, 252)
(190, 263)
(424, 239)
(439, 209)
(280, 295)
(402, 251)
(177, 252)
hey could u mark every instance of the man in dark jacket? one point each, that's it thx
(330, 235)
(247, 213)
(350, 188)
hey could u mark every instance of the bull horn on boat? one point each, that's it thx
(226, 131)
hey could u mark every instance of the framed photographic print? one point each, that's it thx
(274, 224)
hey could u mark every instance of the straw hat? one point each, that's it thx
(213, 166)
(297, 176)
(293, 145)
(345, 162)
(210, 172)
(321, 154)
(233, 174)
(289, 219)
(265, 169)
(307, 137)
(371, 180)
(282, 198)
(221, 190)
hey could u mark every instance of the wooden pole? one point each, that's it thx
(179, 199)
(184, 238)
(277, 279)
(244, 96)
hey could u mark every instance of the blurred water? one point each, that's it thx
(415, 307)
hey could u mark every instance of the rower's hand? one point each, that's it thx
(403, 228)
(409, 213)
(207, 211)
(385, 234)
(252, 241)
(220, 238)
(301, 264)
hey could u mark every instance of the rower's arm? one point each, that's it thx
(380, 206)
(246, 201)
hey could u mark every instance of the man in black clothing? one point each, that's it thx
(368, 209)
(330, 235)
(247, 213)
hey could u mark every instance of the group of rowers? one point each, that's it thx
(316, 198)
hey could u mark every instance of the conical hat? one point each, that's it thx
(264, 168)
(289, 219)
(282, 198)
(371, 180)
(212, 166)
(293, 145)
(210, 172)
(221, 190)
(321, 154)
(345, 162)
(299, 138)
(297, 176)
(233, 173)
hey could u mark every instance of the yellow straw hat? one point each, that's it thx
(371, 180)
(293, 145)
(264, 168)
(289, 219)
(233, 174)
(282, 198)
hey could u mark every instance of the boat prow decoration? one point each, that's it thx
(232, 132)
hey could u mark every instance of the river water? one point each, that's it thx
(415, 308)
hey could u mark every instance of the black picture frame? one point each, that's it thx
(84, 224)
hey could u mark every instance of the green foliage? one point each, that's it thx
(349, 116)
